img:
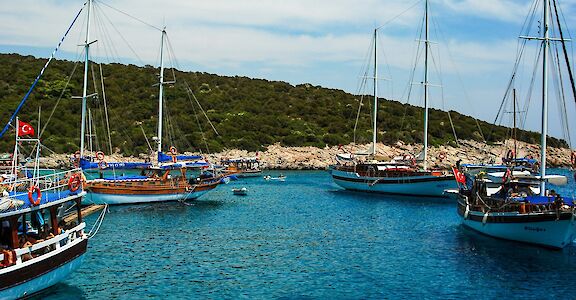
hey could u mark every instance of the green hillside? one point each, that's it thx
(247, 113)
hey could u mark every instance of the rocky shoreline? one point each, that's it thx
(313, 158)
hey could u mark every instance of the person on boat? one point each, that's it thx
(513, 190)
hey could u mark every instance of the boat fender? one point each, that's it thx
(467, 212)
(102, 165)
(485, 218)
(74, 183)
(100, 155)
(510, 154)
(173, 150)
(31, 190)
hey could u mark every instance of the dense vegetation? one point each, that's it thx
(247, 113)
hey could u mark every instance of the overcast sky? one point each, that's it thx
(322, 42)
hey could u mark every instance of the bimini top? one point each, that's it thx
(162, 157)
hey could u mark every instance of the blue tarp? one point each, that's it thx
(164, 157)
(88, 165)
(46, 196)
(547, 200)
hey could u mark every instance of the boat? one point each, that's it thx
(279, 178)
(166, 180)
(240, 191)
(242, 167)
(38, 249)
(515, 212)
(398, 177)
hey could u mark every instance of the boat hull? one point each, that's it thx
(116, 193)
(550, 230)
(424, 185)
(33, 278)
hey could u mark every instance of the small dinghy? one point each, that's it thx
(240, 191)
(279, 178)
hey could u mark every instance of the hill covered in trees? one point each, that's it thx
(247, 113)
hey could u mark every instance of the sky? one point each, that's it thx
(321, 42)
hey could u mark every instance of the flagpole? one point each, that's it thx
(15, 154)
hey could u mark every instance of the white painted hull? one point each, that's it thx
(115, 199)
(42, 282)
(424, 186)
(555, 234)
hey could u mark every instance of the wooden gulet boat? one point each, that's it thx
(242, 167)
(515, 213)
(37, 247)
(40, 253)
(399, 178)
(156, 184)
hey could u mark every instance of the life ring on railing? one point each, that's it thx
(102, 165)
(510, 154)
(573, 158)
(100, 155)
(31, 191)
(442, 156)
(74, 183)
(173, 150)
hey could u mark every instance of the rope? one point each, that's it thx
(39, 76)
(128, 15)
(98, 222)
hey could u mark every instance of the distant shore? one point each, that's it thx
(313, 158)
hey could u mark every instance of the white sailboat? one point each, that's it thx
(515, 212)
(395, 177)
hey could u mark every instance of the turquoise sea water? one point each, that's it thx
(308, 239)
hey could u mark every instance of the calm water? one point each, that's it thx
(306, 238)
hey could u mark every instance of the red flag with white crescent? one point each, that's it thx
(460, 177)
(25, 129)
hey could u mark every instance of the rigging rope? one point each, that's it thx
(565, 52)
(39, 76)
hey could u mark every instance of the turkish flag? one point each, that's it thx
(460, 177)
(25, 129)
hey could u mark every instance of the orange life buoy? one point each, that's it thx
(510, 154)
(31, 191)
(74, 183)
(100, 155)
(102, 165)
(173, 150)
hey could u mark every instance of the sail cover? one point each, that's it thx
(88, 165)
(162, 157)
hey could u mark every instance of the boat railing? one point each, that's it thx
(36, 251)
(45, 188)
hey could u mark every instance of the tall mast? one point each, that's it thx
(514, 129)
(85, 84)
(545, 42)
(375, 112)
(161, 92)
(426, 45)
